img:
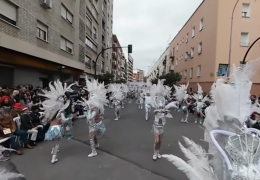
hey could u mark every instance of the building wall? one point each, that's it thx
(130, 65)
(117, 59)
(159, 68)
(215, 38)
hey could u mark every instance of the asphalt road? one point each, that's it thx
(125, 151)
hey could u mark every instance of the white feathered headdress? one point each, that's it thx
(117, 91)
(97, 95)
(181, 91)
(55, 99)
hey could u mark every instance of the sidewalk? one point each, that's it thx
(75, 165)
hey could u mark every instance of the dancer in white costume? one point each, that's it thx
(161, 113)
(54, 107)
(234, 150)
(148, 100)
(125, 90)
(141, 98)
(200, 103)
(182, 97)
(95, 105)
(117, 96)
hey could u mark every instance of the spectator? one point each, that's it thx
(8, 128)
(5, 101)
(27, 125)
(16, 111)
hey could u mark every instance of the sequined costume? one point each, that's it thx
(95, 105)
(54, 109)
(234, 149)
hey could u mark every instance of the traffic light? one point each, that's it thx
(130, 48)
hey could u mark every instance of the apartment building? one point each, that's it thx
(130, 65)
(162, 66)
(43, 40)
(138, 75)
(200, 51)
(117, 57)
(123, 68)
(99, 23)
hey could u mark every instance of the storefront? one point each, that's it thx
(19, 69)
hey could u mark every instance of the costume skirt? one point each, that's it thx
(53, 133)
(157, 129)
(99, 127)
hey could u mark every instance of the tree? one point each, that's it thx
(107, 78)
(170, 79)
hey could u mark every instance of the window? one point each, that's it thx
(66, 45)
(185, 74)
(66, 14)
(90, 44)
(187, 37)
(201, 24)
(8, 12)
(186, 55)
(192, 52)
(94, 31)
(199, 70)
(191, 73)
(42, 31)
(200, 48)
(246, 10)
(88, 23)
(193, 32)
(244, 39)
(94, 13)
(87, 61)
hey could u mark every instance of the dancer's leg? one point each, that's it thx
(156, 141)
(55, 151)
(159, 146)
(92, 143)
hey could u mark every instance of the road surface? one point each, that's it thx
(125, 151)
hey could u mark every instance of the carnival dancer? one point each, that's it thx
(54, 109)
(141, 99)
(95, 105)
(117, 96)
(233, 148)
(200, 103)
(161, 113)
(125, 90)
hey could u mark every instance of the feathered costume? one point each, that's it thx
(161, 113)
(125, 90)
(141, 95)
(95, 105)
(148, 100)
(182, 97)
(200, 103)
(54, 107)
(235, 149)
(117, 97)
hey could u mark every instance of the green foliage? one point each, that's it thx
(107, 78)
(170, 79)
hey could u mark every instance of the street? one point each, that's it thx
(125, 151)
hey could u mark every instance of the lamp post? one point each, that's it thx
(244, 59)
(230, 38)
(129, 47)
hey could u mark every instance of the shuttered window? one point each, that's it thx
(8, 11)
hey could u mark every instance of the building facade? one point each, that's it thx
(138, 75)
(130, 65)
(123, 68)
(200, 51)
(117, 58)
(47, 39)
(162, 66)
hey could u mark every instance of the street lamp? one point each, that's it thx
(230, 38)
(129, 49)
(244, 59)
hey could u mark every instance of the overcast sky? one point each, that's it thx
(149, 25)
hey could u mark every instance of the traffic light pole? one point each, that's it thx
(103, 50)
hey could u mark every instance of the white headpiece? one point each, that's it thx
(181, 91)
(117, 91)
(157, 92)
(97, 95)
(225, 129)
(55, 99)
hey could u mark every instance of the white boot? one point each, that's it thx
(158, 155)
(146, 116)
(196, 121)
(155, 155)
(182, 120)
(54, 159)
(92, 154)
(97, 145)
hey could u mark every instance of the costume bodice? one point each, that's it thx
(160, 119)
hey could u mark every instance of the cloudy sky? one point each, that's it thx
(149, 25)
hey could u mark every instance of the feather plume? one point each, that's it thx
(190, 172)
(181, 92)
(2, 148)
(7, 175)
(171, 105)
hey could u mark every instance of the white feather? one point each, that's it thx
(6, 175)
